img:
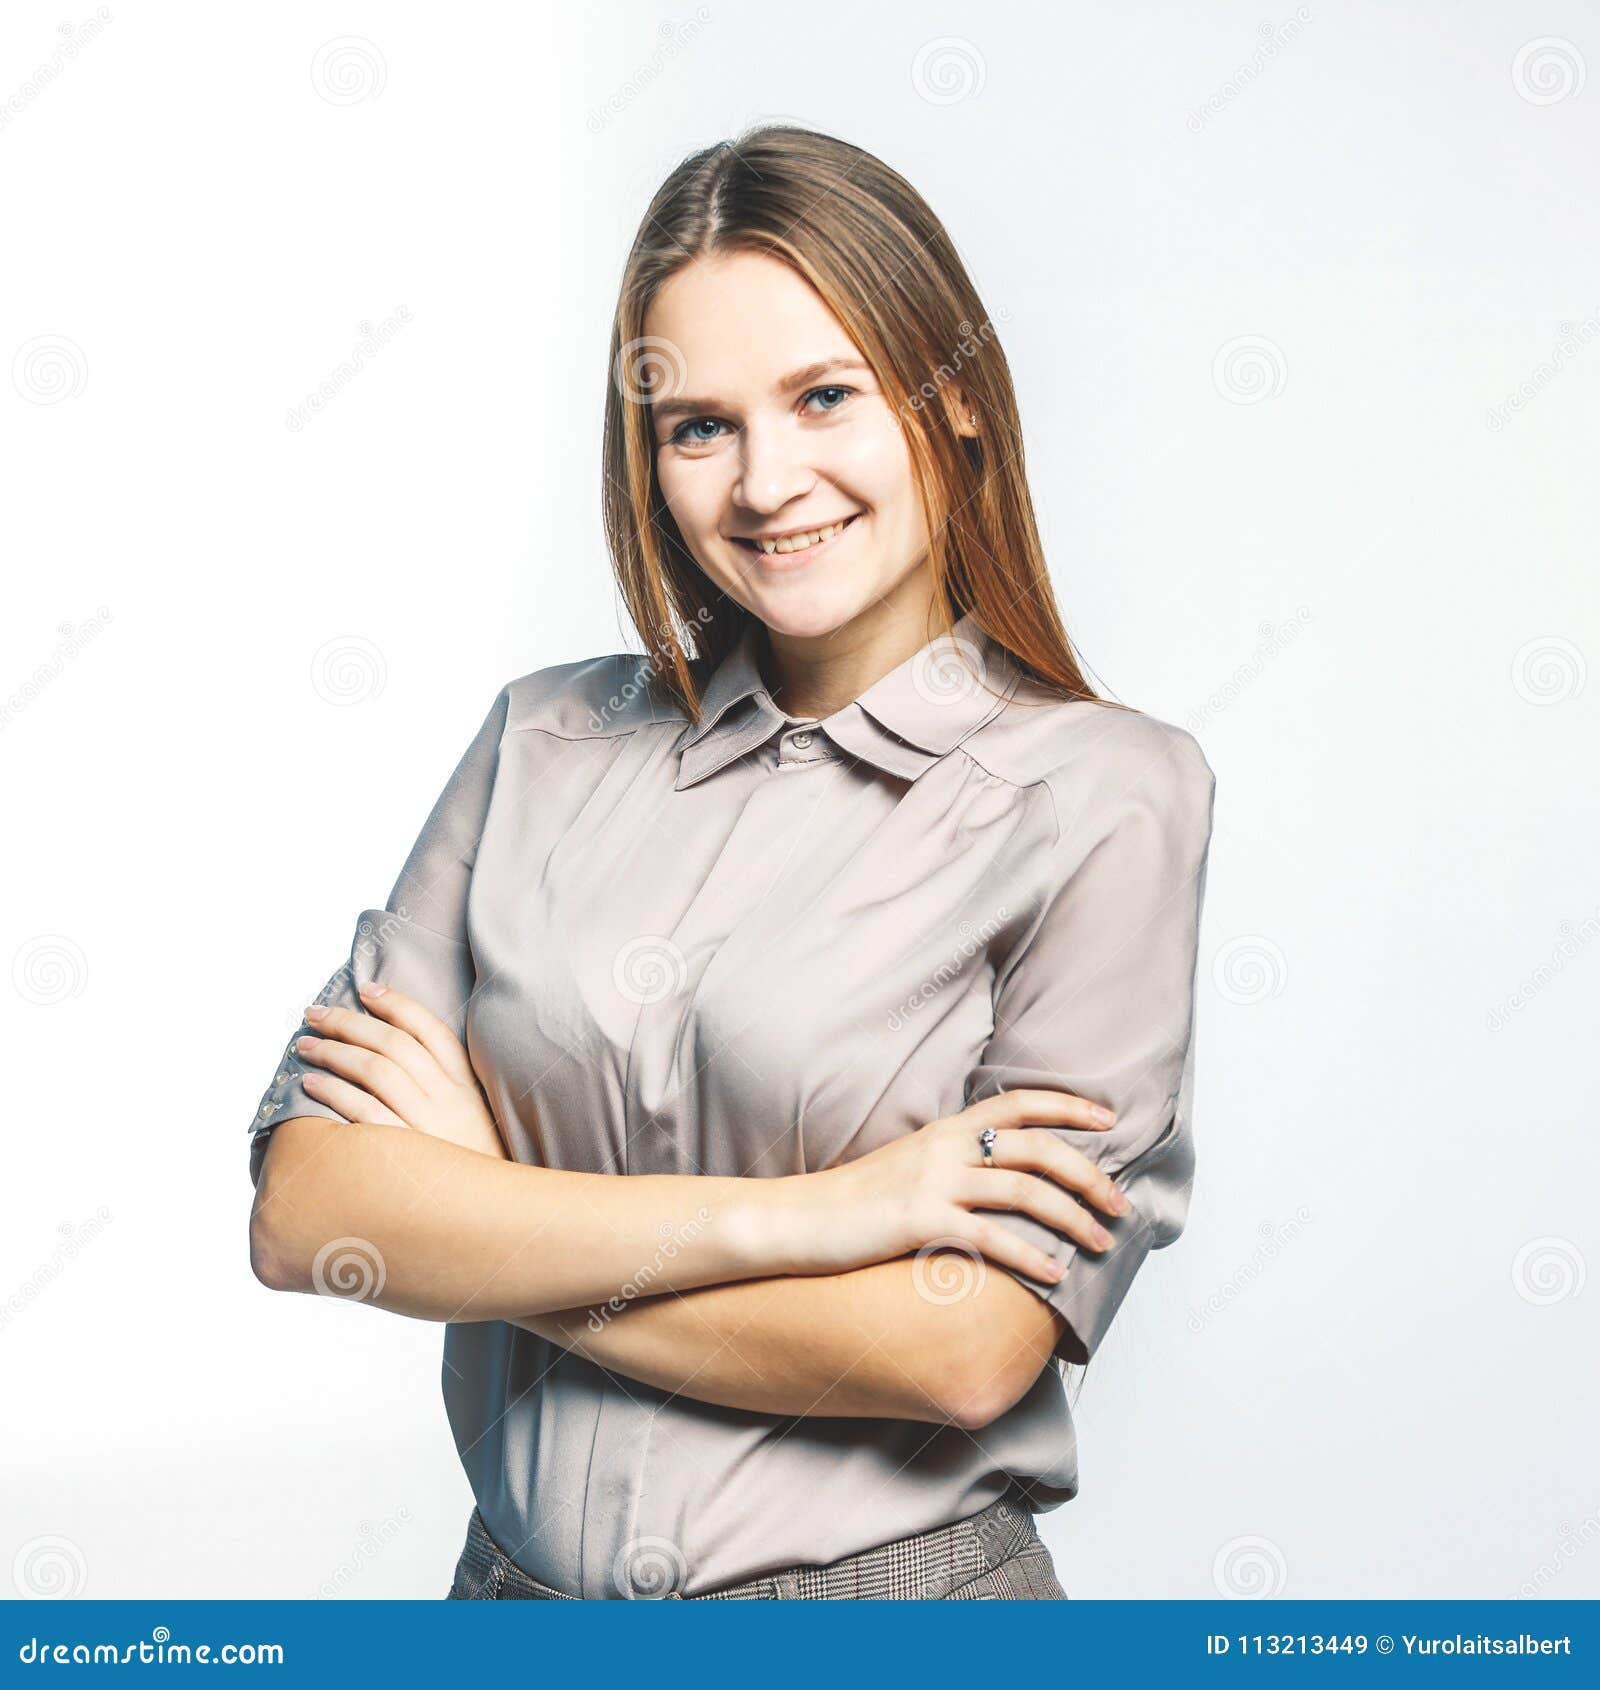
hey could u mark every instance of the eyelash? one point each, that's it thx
(676, 438)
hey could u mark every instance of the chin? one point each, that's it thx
(811, 614)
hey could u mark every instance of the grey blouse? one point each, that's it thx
(760, 946)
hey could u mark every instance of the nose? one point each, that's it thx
(773, 470)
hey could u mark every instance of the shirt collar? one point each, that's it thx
(903, 723)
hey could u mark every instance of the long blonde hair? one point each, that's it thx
(871, 246)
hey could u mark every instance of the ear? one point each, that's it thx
(962, 413)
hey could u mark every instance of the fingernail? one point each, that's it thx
(306, 1044)
(315, 1012)
(373, 990)
(1102, 1238)
(1103, 1115)
(1119, 1202)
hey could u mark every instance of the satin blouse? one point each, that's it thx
(761, 945)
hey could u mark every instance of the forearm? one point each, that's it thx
(869, 1343)
(431, 1230)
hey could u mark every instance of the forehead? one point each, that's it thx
(740, 321)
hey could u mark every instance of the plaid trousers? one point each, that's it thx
(992, 1556)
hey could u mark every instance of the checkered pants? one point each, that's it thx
(992, 1556)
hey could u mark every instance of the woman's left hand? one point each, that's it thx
(399, 1066)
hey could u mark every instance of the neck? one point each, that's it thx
(815, 675)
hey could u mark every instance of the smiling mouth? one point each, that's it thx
(797, 544)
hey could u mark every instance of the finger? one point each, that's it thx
(351, 1102)
(1029, 1194)
(367, 1032)
(434, 1035)
(1045, 1108)
(1005, 1248)
(1039, 1151)
(372, 1071)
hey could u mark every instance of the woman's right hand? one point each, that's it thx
(927, 1188)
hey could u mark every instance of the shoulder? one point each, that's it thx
(1094, 756)
(592, 698)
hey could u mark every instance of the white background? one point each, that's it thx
(1366, 1368)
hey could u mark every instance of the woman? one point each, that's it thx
(843, 932)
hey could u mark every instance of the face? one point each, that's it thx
(769, 424)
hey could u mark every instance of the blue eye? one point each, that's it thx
(681, 437)
(843, 392)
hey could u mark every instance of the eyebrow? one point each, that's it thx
(678, 405)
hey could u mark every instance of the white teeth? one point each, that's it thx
(799, 542)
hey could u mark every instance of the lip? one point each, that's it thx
(778, 562)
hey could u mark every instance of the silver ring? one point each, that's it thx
(986, 1139)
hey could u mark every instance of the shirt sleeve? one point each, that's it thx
(418, 940)
(1097, 999)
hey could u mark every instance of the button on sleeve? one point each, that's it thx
(1097, 999)
(418, 941)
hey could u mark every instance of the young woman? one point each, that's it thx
(847, 922)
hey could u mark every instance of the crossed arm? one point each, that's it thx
(944, 1338)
